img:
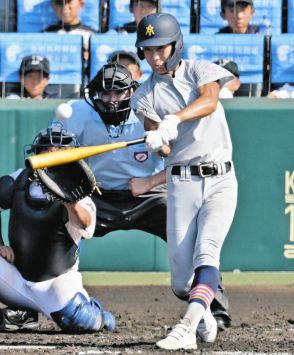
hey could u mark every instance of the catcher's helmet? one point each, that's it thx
(158, 30)
(111, 77)
(53, 136)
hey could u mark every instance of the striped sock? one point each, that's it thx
(202, 294)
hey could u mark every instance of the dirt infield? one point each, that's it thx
(262, 321)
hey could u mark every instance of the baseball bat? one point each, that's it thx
(69, 155)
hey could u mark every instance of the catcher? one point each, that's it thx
(39, 268)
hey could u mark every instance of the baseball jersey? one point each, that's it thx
(250, 29)
(200, 140)
(113, 169)
(78, 29)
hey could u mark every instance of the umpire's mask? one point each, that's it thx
(109, 93)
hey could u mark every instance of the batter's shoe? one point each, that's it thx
(18, 320)
(207, 328)
(207, 331)
(181, 337)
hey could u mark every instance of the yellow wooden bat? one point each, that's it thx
(64, 156)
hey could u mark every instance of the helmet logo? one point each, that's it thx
(150, 31)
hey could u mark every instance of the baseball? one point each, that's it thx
(63, 111)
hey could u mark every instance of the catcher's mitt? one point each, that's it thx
(67, 183)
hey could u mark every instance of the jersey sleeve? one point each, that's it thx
(77, 232)
(142, 103)
(207, 72)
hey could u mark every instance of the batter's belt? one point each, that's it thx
(203, 169)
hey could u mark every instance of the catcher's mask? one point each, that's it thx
(111, 78)
(158, 30)
(53, 136)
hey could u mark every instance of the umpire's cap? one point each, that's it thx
(160, 29)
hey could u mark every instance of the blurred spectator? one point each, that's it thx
(34, 75)
(7, 15)
(284, 92)
(238, 14)
(229, 89)
(68, 12)
(140, 9)
(128, 59)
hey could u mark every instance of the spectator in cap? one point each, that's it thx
(68, 12)
(128, 59)
(34, 75)
(229, 89)
(238, 14)
(139, 9)
(284, 92)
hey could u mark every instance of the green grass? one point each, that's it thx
(163, 278)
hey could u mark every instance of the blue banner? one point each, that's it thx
(102, 45)
(119, 13)
(246, 51)
(64, 53)
(35, 16)
(282, 48)
(211, 20)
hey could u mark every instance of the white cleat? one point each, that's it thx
(207, 330)
(181, 337)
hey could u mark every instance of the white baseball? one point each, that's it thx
(63, 111)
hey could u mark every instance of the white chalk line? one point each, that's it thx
(97, 352)
(15, 347)
(129, 351)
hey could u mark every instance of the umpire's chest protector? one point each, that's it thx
(37, 234)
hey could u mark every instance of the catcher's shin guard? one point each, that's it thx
(81, 315)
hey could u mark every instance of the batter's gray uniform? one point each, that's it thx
(200, 210)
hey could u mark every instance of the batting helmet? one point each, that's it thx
(157, 30)
(53, 136)
(111, 77)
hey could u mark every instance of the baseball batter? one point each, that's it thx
(186, 123)
(39, 268)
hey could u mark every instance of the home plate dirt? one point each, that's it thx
(262, 323)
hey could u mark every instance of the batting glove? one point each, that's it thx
(154, 141)
(169, 128)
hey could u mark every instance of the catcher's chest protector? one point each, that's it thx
(37, 234)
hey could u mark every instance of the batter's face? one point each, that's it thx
(238, 16)
(157, 56)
